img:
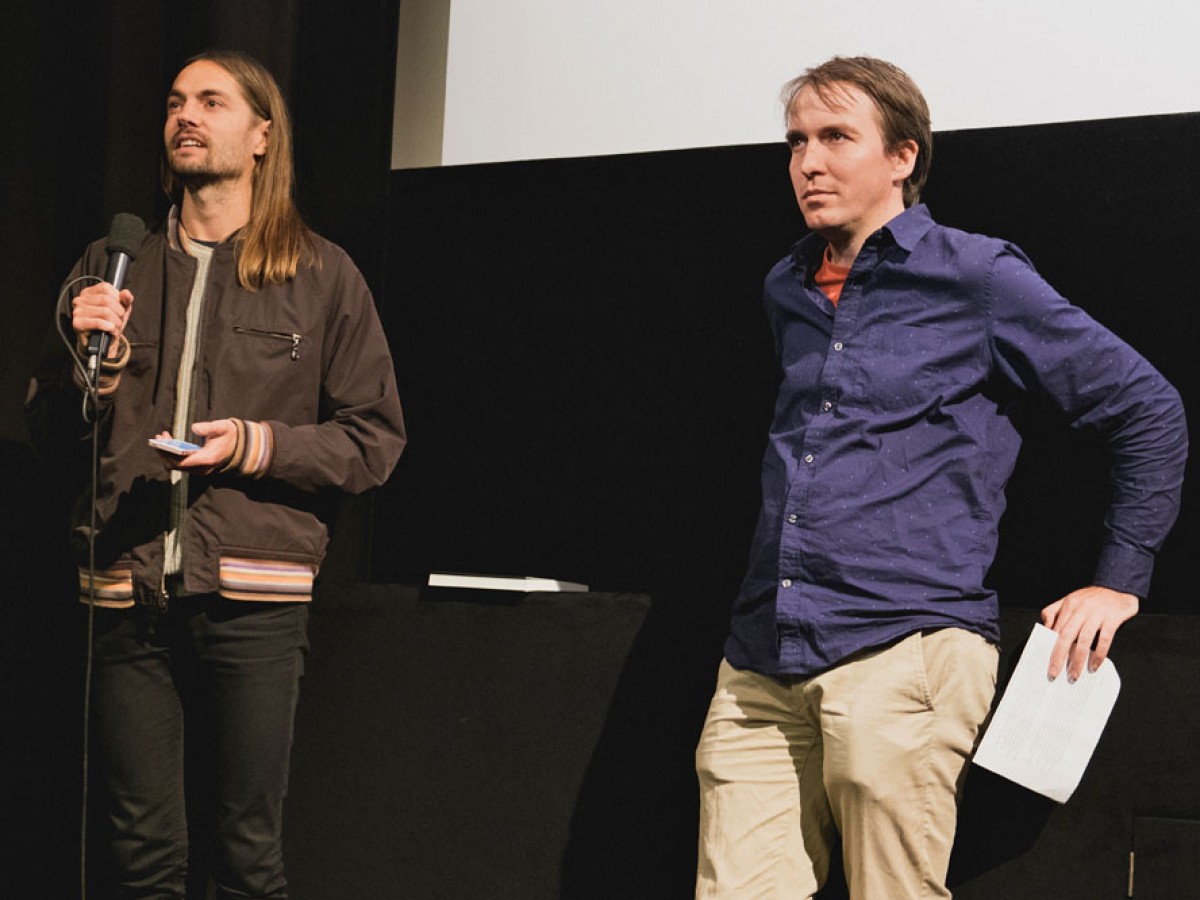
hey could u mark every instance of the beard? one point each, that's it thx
(193, 181)
(194, 174)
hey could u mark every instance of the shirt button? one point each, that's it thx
(826, 406)
(787, 583)
(808, 457)
(837, 345)
(792, 519)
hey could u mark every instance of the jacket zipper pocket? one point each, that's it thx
(278, 335)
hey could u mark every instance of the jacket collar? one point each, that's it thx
(173, 234)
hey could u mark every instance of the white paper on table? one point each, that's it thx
(1043, 732)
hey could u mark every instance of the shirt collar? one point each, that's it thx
(910, 226)
(905, 230)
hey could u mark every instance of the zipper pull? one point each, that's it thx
(295, 346)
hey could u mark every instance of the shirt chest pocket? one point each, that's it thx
(900, 367)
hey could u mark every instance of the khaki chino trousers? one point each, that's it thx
(873, 750)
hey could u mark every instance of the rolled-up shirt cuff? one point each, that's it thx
(1122, 567)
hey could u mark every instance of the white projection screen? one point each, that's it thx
(498, 80)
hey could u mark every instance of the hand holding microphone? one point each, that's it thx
(101, 310)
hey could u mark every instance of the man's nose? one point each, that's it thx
(809, 161)
(185, 114)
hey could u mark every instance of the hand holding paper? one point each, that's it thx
(1086, 621)
(1044, 732)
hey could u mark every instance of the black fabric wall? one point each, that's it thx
(88, 82)
(588, 376)
(540, 748)
(588, 381)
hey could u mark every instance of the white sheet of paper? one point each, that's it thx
(1044, 732)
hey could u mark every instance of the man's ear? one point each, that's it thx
(264, 139)
(904, 158)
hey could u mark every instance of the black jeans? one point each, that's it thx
(193, 713)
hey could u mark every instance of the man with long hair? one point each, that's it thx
(240, 330)
(861, 660)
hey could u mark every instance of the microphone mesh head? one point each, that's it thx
(126, 235)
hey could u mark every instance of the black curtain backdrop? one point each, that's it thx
(86, 84)
(589, 377)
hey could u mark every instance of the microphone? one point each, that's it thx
(125, 237)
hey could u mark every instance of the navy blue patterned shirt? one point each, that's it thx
(883, 480)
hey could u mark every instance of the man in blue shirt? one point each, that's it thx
(862, 656)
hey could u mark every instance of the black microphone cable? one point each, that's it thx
(124, 241)
(88, 376)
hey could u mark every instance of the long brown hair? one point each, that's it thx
(275, 241)
(903, 112)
